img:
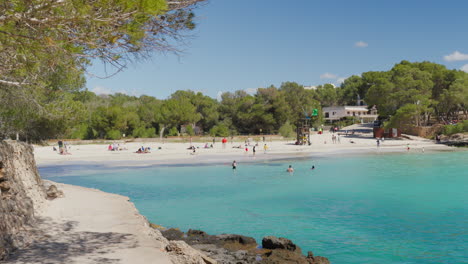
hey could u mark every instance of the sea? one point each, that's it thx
(386, 208)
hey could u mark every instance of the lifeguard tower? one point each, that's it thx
(303, 127)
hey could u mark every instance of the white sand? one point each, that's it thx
(90, 226)
(178, 152)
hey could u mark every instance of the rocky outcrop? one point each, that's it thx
(21, 194)
(457, 140)
(238, 249)
(52, 192)
(271, 242)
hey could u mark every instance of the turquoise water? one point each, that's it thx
(405, 208)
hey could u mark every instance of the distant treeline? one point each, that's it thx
(408, 94)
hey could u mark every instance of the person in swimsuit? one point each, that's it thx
(234, 165)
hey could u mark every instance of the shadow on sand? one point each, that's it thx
(61, 243)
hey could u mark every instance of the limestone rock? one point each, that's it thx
(282, 256)
(20, 194)
(316, 260)
(243, 240)
(173, 234)
(52, 192)
(181, 253)
(272, 242)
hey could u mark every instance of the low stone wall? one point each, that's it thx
(426, 132)
(21, 193)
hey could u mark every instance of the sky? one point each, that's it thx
(247, 44)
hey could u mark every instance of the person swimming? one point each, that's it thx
(313, 167)
(290, 169)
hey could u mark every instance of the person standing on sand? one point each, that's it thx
(265, 148)
(378, 143)
(253, 150)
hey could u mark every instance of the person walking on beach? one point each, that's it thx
(265, 148)
(378, 143)
(234, 165)
(253, 150)
(290, 169)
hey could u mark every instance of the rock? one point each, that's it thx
(155, 226)
(244, 240)
(4, 186)
(282, 256)
(181, 253)
(53, 192)
(320, 260)
(20, 193)
(173, 234)
(194, 232)
(272, 242)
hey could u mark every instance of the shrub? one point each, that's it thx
(113, 134)
(173, 132)
(458, 128)
(220, 130)
(189, 130)
(286, 130)
(142, 132)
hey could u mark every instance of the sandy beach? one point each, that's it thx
(90, 226)
(178, 153)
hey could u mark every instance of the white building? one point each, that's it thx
(335, 113)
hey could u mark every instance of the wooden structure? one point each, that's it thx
(380, 132)
(303, 131)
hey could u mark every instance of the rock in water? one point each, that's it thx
(272, 242)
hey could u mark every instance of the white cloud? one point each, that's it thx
(456, 56)
(361, 44)
(101, 90)
(464, 68)
(328, 75)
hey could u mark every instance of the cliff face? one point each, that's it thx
(21, 194)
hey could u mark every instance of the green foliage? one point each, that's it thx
(80, 131)
(461, 127)
(220, 130)
(142, 132)
(189, 130)
(113, 134)
(173, 132)
(287, 130)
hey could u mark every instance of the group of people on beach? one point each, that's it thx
(143, 150)
(63, 148)
(116, 147)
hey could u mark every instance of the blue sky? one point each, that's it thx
(246, 44)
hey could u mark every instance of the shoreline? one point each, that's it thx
(176, 154)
